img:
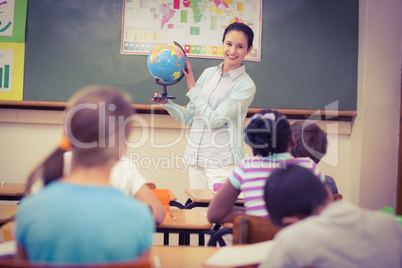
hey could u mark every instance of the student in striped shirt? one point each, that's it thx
(269, 135)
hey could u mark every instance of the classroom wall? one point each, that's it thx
(372, 175)
(362, 155)
(155, 147)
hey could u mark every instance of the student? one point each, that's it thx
(320, 233)
(125, 177)
(79, 217)
(268, 134)
(311, 141)
(218, 105)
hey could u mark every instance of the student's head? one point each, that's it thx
(268, 132)
(310, 140)
(96, 126)
(293, 192)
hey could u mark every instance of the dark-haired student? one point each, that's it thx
(318, 232)
(218, 105)
(268, 134)
(79, 218)
(311, 141)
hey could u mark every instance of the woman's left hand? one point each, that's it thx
(188, 72)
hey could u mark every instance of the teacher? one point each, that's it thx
(218, 106)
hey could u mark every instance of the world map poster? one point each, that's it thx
(197, 25)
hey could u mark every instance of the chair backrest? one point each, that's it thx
(18, 263)
(163, 196)
(337, 197)
(248, 229)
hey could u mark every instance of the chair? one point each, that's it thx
(248, 229)
(337, 197)
(163, 196)
(175, 203)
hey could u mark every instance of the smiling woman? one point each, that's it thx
(218, 105)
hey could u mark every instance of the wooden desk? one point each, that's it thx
(185, 222)
(12, 191)
(7, 213)
(202, 198)
(159, 256)
(181, 256)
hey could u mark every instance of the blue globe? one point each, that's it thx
(166, 62)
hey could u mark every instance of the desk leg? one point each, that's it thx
(184, 239)
(201, 239)
(166, 239)
(188, 202)
(195, 204)
(176, 204)
(217, 237)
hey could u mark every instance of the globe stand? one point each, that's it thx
(164, 94)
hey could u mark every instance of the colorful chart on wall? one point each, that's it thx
(197, 25)
(12, 48)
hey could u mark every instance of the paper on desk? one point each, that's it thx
(240, 255)
(8, 248)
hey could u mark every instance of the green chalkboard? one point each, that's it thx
(308, 60)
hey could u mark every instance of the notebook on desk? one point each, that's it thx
(240, 255)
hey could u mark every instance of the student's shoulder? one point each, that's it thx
(305, 162)
(252, 161)
(42, 197)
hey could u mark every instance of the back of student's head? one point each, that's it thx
(293, 191)
(310, 140)
(96, 126)
(268, 132)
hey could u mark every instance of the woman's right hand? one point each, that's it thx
(158, 101)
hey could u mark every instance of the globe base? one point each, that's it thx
(164, 94)
(165, 97)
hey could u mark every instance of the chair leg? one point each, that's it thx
(217, 237)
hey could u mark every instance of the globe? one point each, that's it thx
(166, 63)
